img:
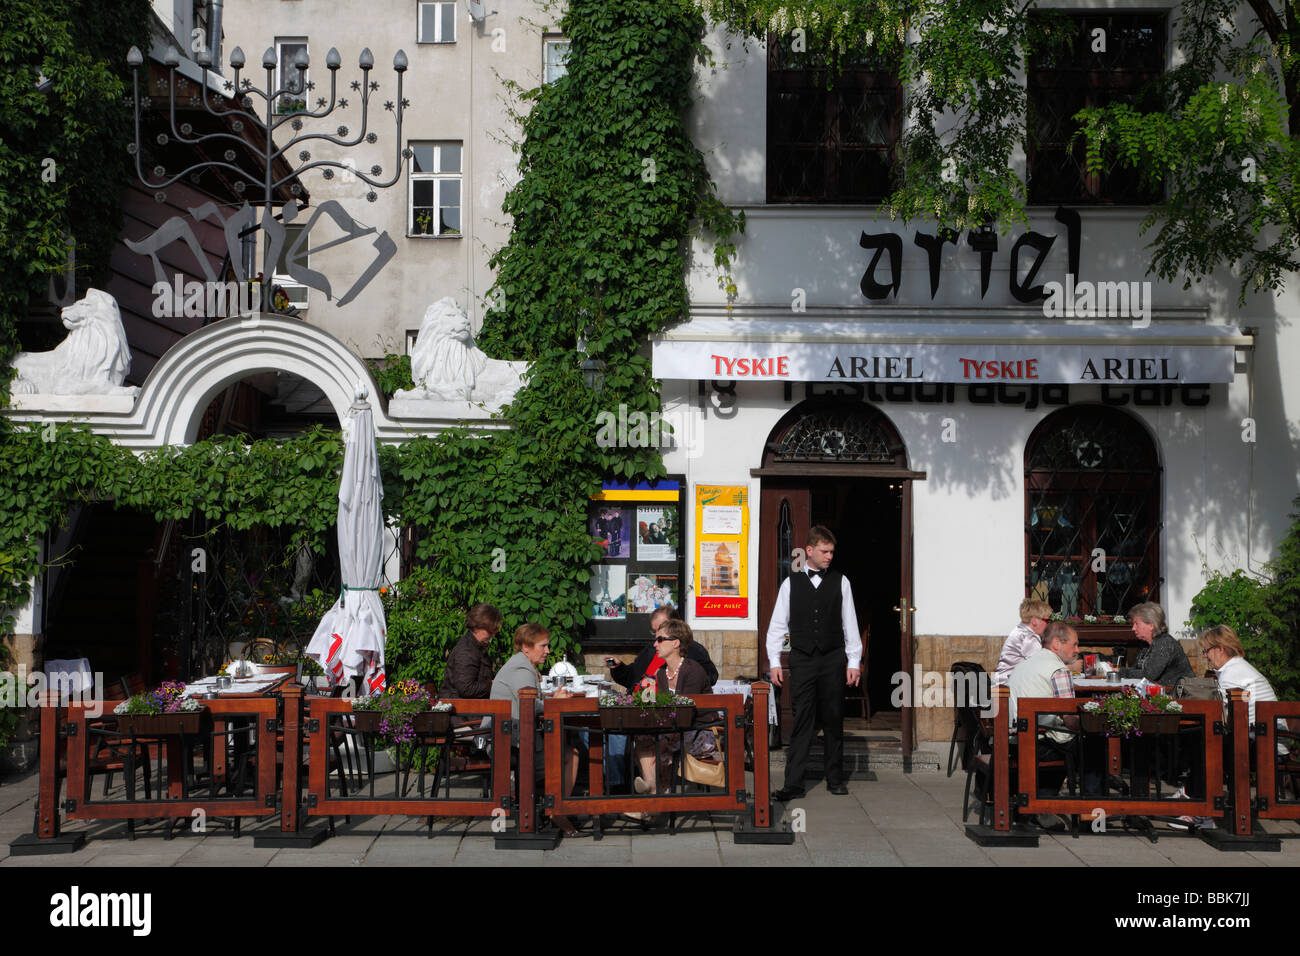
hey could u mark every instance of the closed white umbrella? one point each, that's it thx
(349, 641)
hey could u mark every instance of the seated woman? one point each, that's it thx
(532, 645)
(683, 676)
(1222, 648)
(469, 672)
(1163, 662)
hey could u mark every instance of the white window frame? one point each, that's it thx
(437, 178)
(280, 44)
(295, 290)
(548, 41)
(437, 22)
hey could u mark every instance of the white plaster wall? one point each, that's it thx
(968, 513)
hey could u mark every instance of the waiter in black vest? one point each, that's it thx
(816, 609)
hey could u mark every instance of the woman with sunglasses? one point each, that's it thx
(682, 676)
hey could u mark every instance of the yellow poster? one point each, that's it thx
(721, 551)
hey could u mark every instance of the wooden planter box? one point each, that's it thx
(427, 722)
(1092, 723)
(158, 725)
(646, 718)
(433, 722)
(1159, 723)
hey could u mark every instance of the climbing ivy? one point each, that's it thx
(611, 191)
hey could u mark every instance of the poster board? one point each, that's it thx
(641, 529)
(721, 551)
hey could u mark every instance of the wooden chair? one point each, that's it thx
(980, 772)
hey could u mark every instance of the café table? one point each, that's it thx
(1090, 686)
(83, 725)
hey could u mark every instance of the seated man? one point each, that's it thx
(1046, 673)
(647, 662)
(1025, 638)
(469, 672)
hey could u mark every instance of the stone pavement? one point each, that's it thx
(899, 819)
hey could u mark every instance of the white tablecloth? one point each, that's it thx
(1100, 683)
(740, 687)
(240, 685)
(72, 676)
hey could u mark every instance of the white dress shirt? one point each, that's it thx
(779, 626)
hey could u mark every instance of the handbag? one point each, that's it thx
(1198, 688)
(711, 773)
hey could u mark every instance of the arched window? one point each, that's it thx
(833, 432)
(1092, 513)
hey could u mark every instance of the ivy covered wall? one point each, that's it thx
(611, 189)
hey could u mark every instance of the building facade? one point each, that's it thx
(970, 442)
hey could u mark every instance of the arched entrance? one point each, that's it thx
(842, 464)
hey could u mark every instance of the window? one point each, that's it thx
(296, 291)
(1105, 58)
(556, 57)
(435, 190)
(829, 140)
(437, 23)
(1092, 513)
(288, 77)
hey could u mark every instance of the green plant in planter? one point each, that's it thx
(166, 699)
(1122, 713)
(397, 708)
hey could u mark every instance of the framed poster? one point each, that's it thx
(657, 529)
(638, 526)
(612, 527)
(721, 551)
(609, 592)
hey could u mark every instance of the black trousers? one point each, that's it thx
(817, 690)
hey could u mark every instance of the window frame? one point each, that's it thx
(1047, 491)
(280, 43)
(1099, 88)
(437, 178)
(784, 78)
(550, 40)
(292, 287)
(419, 23)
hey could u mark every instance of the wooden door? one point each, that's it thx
(906, 610)
(785, 509)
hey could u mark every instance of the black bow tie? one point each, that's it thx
(815, 575)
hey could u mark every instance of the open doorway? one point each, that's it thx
(841, 464)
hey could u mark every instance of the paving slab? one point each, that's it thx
(898, 819)
(314, 859)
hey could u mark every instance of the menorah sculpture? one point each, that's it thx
(244, 221)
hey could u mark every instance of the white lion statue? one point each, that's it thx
(93, 360)
(445, 363)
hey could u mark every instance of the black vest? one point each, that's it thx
(815, 622)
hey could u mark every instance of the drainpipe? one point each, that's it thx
(214, 32)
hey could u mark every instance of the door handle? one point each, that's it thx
(903, 611)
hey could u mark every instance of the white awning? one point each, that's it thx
(1056, 354)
